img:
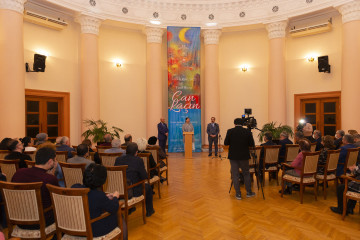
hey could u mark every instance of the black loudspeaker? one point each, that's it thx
(248, 111)
(323, 64)
(39, 63)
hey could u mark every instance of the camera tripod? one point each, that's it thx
(219, 153)
(256, 170)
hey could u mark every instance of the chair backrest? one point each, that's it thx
(124, 147)
(23, 203)
(73, 153)
(351, 158)
(101, 149)
(145, 157)
(332, 159)
(30, 164)
(292, 150)
(9, 168)
(108, 159)
(73, 173)
(74, 147)
(62, 156)
(257, 150)
(271, 153)
(3, 153)
(116, 180)
(71, 210)
(310, 162)
(91, 156)
(31, 154)
(154, 151)
(313, 147)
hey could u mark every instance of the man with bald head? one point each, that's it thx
(163, 132)
(128, 139)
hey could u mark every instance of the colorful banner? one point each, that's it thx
(183, 85)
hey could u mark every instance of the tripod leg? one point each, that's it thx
(230, 186)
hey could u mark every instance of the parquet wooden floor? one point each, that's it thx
(197, 205)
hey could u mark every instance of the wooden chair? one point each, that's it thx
(108, 159)
(292, 150)
(116, 181)
(124, 147)
(351, 159)
(74, 147)
(349, 194)
(30, 164)
(9, 167)
(91, 156)
(73, 173)
(271, 157)
(31, 154)
(252, 160)
(72, 216)
(155, 152)
(329, 169)
(101, 149)
(313, 147)
(3, 153)
(307, 175)
(23, 206)
(155, 179)
(73, 153)
(62, 156)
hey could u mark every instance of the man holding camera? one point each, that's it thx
(239, 140)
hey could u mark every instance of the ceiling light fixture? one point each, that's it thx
(155, 22)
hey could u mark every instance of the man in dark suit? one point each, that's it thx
(163, 132)
(135, 173)
(239, 140)
(213, 132)
(348, 141)
(284, 139)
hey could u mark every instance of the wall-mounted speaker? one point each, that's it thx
(39, 63)
(323, 64)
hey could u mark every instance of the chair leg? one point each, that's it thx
(301, 192)
(167, 177)
(315, 190)
(282, 187)
(143, 211)
(263, 177)
(126, 214)
(324, 186)
(58, 234)
(159, 188)
(277, 177)
(344, 206)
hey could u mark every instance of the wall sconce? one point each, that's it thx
(118, 63)
(310, 59)
(244, 68)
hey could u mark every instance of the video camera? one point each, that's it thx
(249, 122)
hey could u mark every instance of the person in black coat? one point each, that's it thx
(239, 141)
(16, 148)
(338, 138)
(135, 173)
(284, 139)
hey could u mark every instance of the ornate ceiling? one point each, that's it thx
(202, 13)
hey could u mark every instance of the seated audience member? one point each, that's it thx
(82, 152)
(58, 171)
(43, 171)
(328, 144)
(142, 144)
(28, 143)
(115, 147)
(348, 142)
(308, 132)
(338, 138)
(304, 145)
(318, 139)
(94, 177)
(298, 136)
(2, 209)
(16, 148)
(353, 187)
(107, 140)
(135, 173)
(57, 141)
(352, 132)
(65, 146)
(96, 155)
(4, 145)
(357, 140)
(128, 139)
(41, 138)
(284, 139)
(88, 143)
(268, 142)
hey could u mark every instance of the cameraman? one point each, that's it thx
(239, 140)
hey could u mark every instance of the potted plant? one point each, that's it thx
(275, 130)
(98, 129)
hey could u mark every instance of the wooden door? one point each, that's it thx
(323, 114)
(45, 115)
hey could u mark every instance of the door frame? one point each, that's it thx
(307, 96)
(64, 96)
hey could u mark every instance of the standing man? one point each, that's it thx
(213, 135)
(240, 139)
(162, 133)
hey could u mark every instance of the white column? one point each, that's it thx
(350, 73)
(153, 80)
(12, 69)
(89, 68)
(277, 75)
(211, 83)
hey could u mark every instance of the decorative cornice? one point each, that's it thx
(15, 5)
(89, 24)
(350, 11)
(211, 36)
(276, 29)
(154, 35)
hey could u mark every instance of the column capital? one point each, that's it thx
(276, 29)
(89, 24)
(211, 36)
(350, 11)
(15, 5)
(154, 34)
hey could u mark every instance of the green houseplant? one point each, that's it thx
(275, 130)
(98, 129)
